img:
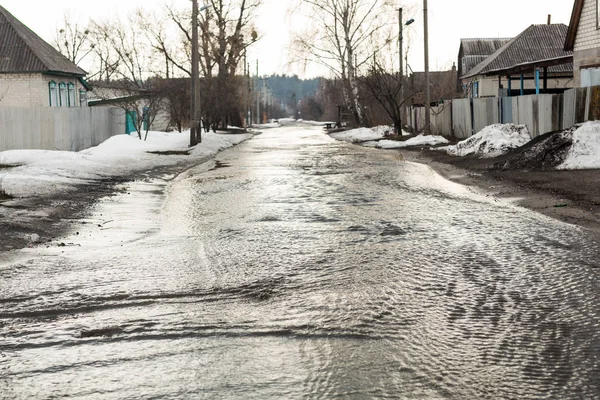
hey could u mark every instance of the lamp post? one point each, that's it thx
(427, 91)
(195, 130)
(401, 49)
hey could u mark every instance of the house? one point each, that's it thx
(33, 73)
(442, 86)
(534, 61)
(583, 38)
(145, 107)
(472, 52)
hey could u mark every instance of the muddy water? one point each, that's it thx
(299, 267)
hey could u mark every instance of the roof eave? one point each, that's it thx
(573, 25)
(523, 67)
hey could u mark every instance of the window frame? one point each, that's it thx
(62, 87)
(53, 94)
(71, 95)
(83, 98)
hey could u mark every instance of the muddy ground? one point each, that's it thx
(43, 220)
(570, 196)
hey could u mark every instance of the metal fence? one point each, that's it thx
(70, 129)
(542, 113)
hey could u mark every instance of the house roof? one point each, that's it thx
(474, 51)
(538, 44)
(574, 25)
(21, 50)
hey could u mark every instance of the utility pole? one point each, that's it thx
(257, 91)
(400, 39)
(427, 89)
(249, 98)
(401, 70)
(194, 88)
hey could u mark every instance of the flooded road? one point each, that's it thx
(294, 266)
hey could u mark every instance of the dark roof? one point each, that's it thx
(543, 44)
(474, 51)
(481, 47)
(574, 25)
(21, 50)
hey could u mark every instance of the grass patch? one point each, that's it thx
(171, 153)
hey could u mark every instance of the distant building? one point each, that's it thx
(583, 38)
(538, 51)
(442, 86)
(473, 52)
(33, 73)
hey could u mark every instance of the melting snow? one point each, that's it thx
(44, 172)
(491, 141)
(585, 151)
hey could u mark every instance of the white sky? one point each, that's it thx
(449, 20)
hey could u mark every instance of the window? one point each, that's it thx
(72, 97)
(590, 77)
(82, 98)
(62, 94)
(53, 93)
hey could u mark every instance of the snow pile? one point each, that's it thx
(491, 141)
(585, 151)
(421, 140)
(44, 172)
(359, 135)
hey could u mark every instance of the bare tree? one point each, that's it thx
(129, 58)
(389, 91)
(226, 33)
(73, 40)
(344, 36)
(141, 105)
(176, 95)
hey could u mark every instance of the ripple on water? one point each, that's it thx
(306, 268)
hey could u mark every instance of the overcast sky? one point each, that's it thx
(449, 21)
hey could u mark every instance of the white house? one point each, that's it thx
(33, 73)
(583, 38)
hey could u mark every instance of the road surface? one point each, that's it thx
(295, 266)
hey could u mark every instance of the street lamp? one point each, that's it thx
(401, 71)
(195, 132)
(401, 37)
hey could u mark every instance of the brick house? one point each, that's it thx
(583, 38)
(33, 73)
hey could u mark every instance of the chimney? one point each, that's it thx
(549, 19)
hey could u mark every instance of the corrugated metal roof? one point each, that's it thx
(536, 43)
(481, 47)
(21, 50)
(474, 51)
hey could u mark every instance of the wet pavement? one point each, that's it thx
(295, 266)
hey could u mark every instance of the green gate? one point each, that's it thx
(130, 119)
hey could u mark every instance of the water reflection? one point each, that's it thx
(297, 266)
